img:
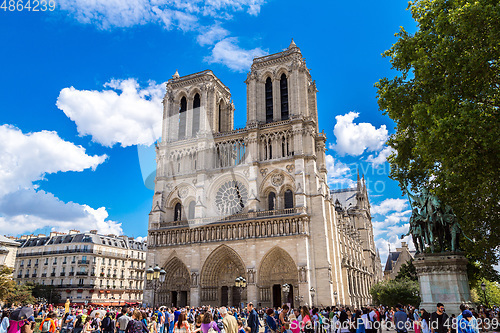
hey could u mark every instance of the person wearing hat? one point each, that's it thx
(464, 325)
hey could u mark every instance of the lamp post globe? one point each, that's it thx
(162, 275)
(149, 273)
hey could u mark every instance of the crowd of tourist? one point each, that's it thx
(207, 319)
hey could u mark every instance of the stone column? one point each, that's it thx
(276, 100)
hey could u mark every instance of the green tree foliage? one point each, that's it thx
(20, 294)
(6, 283)
(492, 293)
(49, 293)
(392, 292)
(445, 104)
(407, 271)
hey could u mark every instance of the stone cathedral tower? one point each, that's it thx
(252, 202)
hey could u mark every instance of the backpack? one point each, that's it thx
(136, 326)
(46, 326)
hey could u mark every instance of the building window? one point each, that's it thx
(177, 212)
(55, 261)
(271, 201)
(269, 100)
(191, 209)
(220, 117)
(284, 97)
(288, 199)
(182, 118)
(196, 114)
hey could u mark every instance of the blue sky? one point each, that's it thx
(80, 91)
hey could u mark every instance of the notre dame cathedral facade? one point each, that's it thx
(254, 202)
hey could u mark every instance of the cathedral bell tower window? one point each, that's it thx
(284, 97)
(269, 100)
(182, 118)
(196, 114)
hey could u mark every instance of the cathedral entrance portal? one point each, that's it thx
(276, 269)
(176, 287)
(217, 277)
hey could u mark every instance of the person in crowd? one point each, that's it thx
(136, 325)
(48, 325)
(464, 324)
(399, 319)
(208, 323)
(359, 322)
(182, 325)
(240, 326)
(123, 320)
(4, 325)
(270, 325)
(87, 326)
(439, 322)
(425, 317)
(253, 318)
(229, 321)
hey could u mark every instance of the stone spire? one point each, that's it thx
(292, 45)
(176, 75)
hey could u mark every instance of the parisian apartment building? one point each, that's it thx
(84, 267)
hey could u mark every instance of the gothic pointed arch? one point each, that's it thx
(222, 267)
(277, 267)
(176, 288)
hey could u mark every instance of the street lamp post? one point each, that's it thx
(286, 290)
(312, 291)
(299, 299)
(240, 283)
(483, 287)
(156, 276)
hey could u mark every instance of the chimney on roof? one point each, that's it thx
(73, 232)
(93, 232)
(403, 244)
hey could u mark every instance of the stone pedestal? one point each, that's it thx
(443, 279)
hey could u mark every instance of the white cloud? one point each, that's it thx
(394, 242)
(132, 117)
(185, 14)
(141, 239)
(354, 139)
(338, 173)
(388, 205)
(212, 35)
(26, 158)
(381, 158)
(228, 53)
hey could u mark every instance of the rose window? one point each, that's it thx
(231, 198)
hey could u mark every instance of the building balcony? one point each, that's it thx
(19, 276)
(71, 273)
(83, 262)
(52, 274)
(33, 275)
(62, 274)
(26, 275)
(44, 274)
(82, 273)
(45, 263)
(36, 265)
(40, 253)
(73, 262)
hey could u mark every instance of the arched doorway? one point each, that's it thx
(217, 277)
(276, 269)
(175, 289)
